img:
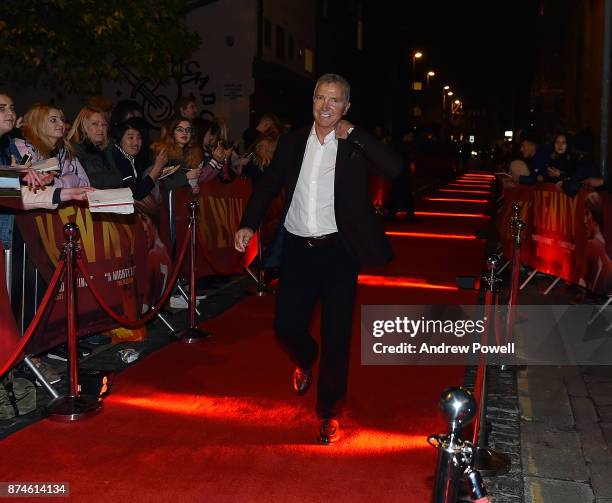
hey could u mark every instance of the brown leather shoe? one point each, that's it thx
(329, 432)
(302, 379)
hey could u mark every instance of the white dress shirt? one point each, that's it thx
(311, 212)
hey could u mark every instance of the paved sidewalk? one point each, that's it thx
(565, 422)
(566, 434)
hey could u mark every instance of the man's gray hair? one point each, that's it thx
(334, 78)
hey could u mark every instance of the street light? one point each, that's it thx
(415, 56)
(430, 74)
(446, 88)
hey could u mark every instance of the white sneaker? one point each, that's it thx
(178, 302)
(198, 296)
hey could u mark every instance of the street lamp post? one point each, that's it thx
(430, 74)
(445, 89)
(416, 55)
(445, 92)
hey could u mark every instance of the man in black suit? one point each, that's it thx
(331, 231)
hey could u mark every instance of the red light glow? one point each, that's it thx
(396, 281)
(444, 214)
(431, 235)
(355, 440)
(453, 200)
(365, 441)
(474, 185)
(478, 175)
(457, 191)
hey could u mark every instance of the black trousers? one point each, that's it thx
(327, 273)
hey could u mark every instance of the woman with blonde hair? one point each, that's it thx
(43, 129)
(262, 152)
(89, 139)
(178, 142)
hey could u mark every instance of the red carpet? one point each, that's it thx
(217, 422)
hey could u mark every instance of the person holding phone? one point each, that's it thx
(217, 154)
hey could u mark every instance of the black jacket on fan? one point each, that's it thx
(132, 173)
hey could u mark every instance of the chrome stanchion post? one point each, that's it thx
(192, 333)
(517, 226)
(490, 280)
(73, 406)
(8, 270)
(487, 461)
(454, 462)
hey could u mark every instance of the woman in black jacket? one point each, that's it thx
(560, 165)
(131, 165)
(89, 139)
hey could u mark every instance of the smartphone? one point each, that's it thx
(26, 158)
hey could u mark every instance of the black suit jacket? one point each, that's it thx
(358, 156)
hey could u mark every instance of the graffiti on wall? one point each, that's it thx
(157, 105)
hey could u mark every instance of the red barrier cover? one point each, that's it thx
(221, 206)
(9, 336)
(128, 260)
(565, 236)
(112, 245)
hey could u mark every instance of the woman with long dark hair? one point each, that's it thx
(560, 165)
(178, 142)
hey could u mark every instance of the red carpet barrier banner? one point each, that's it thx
(9, 336)
(565, 236)
(595, 267)
(128, 260)
(221, 208)
(111, 245)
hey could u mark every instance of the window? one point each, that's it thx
(280, 42)
(267, 33)
(308, 60)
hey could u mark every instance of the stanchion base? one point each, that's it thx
(73, 408)
(490, 462)
(193, 335)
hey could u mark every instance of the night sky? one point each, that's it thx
(484, 49)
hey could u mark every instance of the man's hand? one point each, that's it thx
(242, 238)
(342, 129)
(554, 172)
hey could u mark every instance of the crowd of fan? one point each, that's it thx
(108, 146)
(565, 160)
